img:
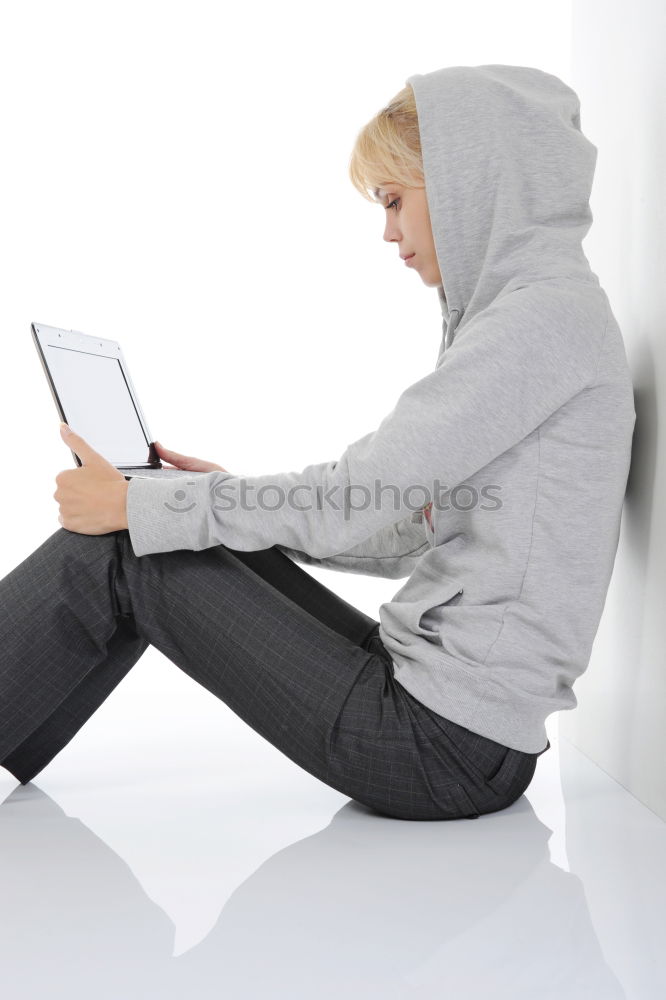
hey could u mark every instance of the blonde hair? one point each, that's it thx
(388, 148)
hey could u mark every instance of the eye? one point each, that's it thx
(392, 203)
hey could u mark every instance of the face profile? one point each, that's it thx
(408, 225)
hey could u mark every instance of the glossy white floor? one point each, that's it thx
(174, 853)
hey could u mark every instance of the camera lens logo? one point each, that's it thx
(180, 496)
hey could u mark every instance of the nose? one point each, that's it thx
(391, 231)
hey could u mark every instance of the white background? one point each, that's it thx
(176, 174)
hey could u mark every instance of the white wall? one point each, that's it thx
(177, 172)
(619, 73)
(173, 172)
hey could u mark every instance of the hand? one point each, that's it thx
(92, 497)
(185, 461)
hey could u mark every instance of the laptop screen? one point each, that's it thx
(97, 402)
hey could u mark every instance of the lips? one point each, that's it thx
(407, 256)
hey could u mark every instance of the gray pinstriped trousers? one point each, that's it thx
(301, 666)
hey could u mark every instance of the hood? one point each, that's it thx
(508, 176)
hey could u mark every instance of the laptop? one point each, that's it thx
(94, 394)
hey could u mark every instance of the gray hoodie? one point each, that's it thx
(520, 436)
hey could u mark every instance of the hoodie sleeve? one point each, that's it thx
(392, 552)
(507, 371)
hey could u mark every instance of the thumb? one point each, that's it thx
(80, 447)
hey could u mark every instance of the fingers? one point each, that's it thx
(172, 455)
(164, 452)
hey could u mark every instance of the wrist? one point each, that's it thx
(122, 506)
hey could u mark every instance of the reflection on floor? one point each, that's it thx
(248, 878)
